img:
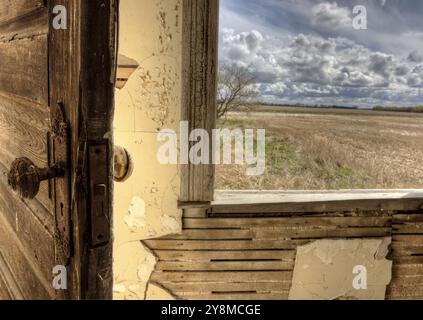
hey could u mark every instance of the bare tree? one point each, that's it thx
(235, 89)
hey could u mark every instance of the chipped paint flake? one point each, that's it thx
(326, 270)
(119, 288)
(146, 206)
(171, 223)
(146, 267)
(136, 218)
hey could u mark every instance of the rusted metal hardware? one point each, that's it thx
(123, 164)
(25, 177)
(99, 174)
(60, 153)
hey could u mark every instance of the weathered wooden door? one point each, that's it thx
(57, 63)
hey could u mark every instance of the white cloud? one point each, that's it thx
(415, 56)
(314, 68)
(331, 15)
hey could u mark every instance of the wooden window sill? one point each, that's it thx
(254, 201)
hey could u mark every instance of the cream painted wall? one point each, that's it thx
(145, 206)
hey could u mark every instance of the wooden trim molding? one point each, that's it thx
(290, 202)
(199, 83)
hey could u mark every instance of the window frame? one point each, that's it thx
(200, 40)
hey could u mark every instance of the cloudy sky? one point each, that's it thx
(307, 51)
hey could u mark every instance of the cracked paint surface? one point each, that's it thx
(324, 270)
(145, 205)
(133, 264)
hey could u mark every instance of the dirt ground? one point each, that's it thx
(318, 149)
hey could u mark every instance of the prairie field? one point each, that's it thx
(328, 149)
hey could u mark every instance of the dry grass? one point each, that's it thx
(331, 149)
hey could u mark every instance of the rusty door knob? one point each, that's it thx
(24, 177)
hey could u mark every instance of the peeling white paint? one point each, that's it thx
(172, 224)
(136, 218)
(324, 269)
(119, 288)
(146, 267)
(155, 292)
(145, 206)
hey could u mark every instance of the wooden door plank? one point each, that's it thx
(12, 9)
(228, 277)
(321, 233)
(24, 130)
(219, 255)
(315, 221)
(224, 244)
(294, 232)
(25, 27)
(225, 266)
(204, 234)
(9, 288)
(33, 233)
(4, 291)
(24, 68)
(185, 288)
(32, 283)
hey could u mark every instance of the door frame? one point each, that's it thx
(200, 33)
(82, 72)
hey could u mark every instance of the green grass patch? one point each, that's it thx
(230, 123)
(344, 172)
(278, 152)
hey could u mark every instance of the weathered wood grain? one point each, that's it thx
(82, 74)
(27, 234)
(321, 206)
(31, 25)
(315, 221)
(234, 197)
(24, 130)
(205, 234)
(224, 244)
(225, 266)
(275, 233)
(12, 9)
(254, 252)
(31, 281)
(42, 67)
(199, 256)
(4, 291)
(199, 83)
(33, 233)
(97, 110)
(227, 277)
(24, 68)
(9, 288)
(210, 287)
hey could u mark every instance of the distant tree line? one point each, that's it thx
(417, 109)
(236, 91)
